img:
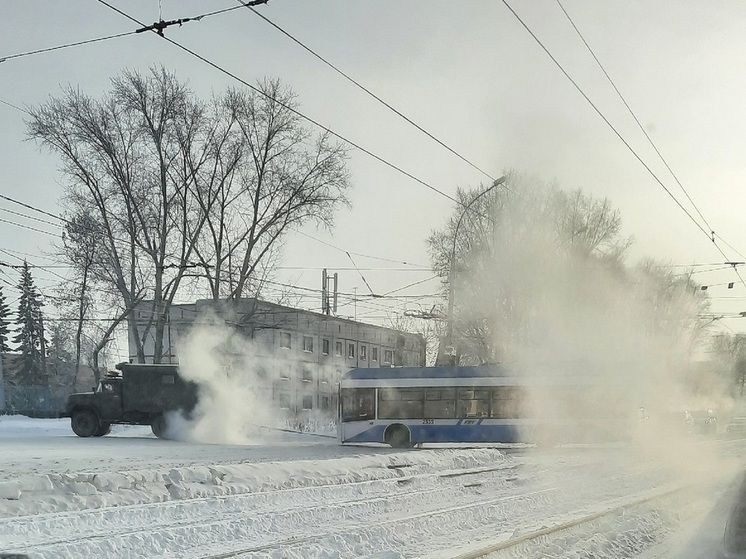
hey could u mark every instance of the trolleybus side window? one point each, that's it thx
(358, 404)
(508, 402)
(473, 402)
(400, 403)
(440, 403)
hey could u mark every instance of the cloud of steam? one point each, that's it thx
(547, 288)
(224, 365)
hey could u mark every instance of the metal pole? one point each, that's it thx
(452, 267)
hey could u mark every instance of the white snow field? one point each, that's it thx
(296, 496)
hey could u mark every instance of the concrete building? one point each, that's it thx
(300, 354)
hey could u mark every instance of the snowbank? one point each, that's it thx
(75, 491)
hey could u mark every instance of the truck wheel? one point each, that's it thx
(104, 429)
(84, 423)
(159, 427)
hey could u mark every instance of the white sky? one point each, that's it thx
(467, 72)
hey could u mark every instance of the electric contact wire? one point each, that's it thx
(23, 226)
(361, 254)
(16, 107)
(68, 45)
(634, 116)
(115, 36)
(366, 90)
(710, 235)
(291, 109)
(603, 117)
(20, 214)
(650, 140)
(730, 246)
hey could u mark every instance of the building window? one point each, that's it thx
(307, 374)
(308, 344)
(363, 352)
(308, 402)
(388, 356)
(285, 340)
(325, 347)
(351, 351)
(284, 401)
(374, 353)
(285, 372)
(324, 404)
(324, 374)
(338, 349)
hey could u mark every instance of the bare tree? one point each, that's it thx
(80, 245)
(534, 266)
(176, 188)
(284, 178)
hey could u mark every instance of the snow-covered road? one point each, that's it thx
(288, 495)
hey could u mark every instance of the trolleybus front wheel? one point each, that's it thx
(398, 436)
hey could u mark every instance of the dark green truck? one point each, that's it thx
(135, 394)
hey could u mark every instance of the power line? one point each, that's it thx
(28, 227)
(20, 214)
(411, 285)
(33, 208)
(158, 27)
(60, 47)
(24, 260)
(352, 269)
(634, 116)
(291, 109)
(16, 107)
(358, 253)
(5, 249)
(740, 254)
(366, 90)
(711, 234)
(650, 140)
(603, 117)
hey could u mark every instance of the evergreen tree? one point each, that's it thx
(4, 324)
(30, 338)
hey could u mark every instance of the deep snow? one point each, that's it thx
(286, 495)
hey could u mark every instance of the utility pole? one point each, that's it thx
(328, 302)
(451, 348)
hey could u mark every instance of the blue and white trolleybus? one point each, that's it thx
(404, 406)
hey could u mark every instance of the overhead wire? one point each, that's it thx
(16, 107)
(67, 45)
(604, 118)
(38, 219)
(634, 116)
(29, 227)
(33, 208)
(291, 109)
(651, 142)
(181, 21)
(710, 235)
(365, 89)
(330, 245)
